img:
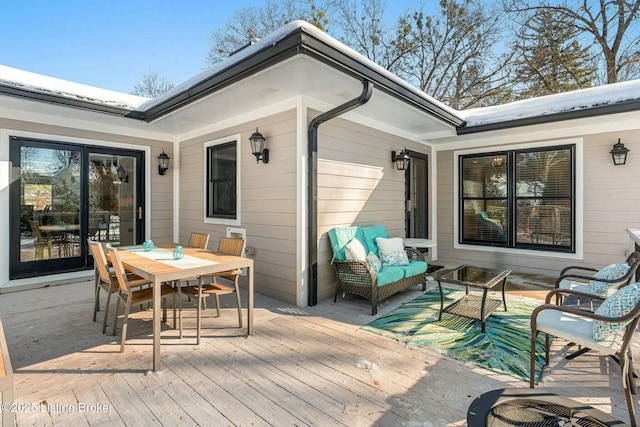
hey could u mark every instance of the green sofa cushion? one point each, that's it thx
(339, 238)
(388, 275)
(369, 235)
(414, 268)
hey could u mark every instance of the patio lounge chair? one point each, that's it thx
(608, 330)
(601, 283)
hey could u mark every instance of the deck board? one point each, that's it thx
(304, 366)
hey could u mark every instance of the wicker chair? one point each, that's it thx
(359, 278)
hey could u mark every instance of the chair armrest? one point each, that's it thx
(577, 267)
(414, 255)
(568, 292)
(355, 272)
(583, 313)
(585, 277)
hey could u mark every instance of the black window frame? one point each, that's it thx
(512, 198)
(214, 183)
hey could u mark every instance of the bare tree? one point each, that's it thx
(607, 23)
(152, 85)
(452, 55)
(253, 22)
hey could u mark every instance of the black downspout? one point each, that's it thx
(312, 169)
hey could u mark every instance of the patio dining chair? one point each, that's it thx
(40, 241)
(609, 330)
(105, 280)
(198, 240)
(227, 246)
(131, 297)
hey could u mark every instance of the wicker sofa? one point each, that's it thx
(360, 277)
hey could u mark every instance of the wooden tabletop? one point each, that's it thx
(157, 271)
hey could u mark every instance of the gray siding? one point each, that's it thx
(268, 201)
(611, 202)
(357, 185)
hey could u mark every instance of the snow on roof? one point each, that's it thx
(50, 85)
(271, 40)
(577, 100)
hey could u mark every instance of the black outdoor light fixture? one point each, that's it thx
(619, 153)
(163, 163)
(258, 149)
(401, 160)
(122, 174)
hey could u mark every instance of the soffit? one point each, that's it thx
(304, 76)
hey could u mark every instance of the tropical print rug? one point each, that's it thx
(504, 348)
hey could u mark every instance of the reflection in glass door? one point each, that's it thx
(112, 199)
(417, 224)
(63, 194)
(50, 189)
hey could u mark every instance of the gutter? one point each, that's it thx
(68, 101)
(299, 42)
(598, 111)
(312, 192)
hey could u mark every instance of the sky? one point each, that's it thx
(112, 44)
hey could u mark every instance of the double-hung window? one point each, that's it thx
(222, 181)
(522, 199)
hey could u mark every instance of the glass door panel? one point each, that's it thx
(50, 189)
(417, 196)
(62, 194)
(112, 199)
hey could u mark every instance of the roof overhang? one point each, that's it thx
(303, 62)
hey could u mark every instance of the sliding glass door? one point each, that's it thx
(63, 194)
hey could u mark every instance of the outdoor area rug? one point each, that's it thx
(504, 348)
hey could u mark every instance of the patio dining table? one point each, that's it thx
(158, 266)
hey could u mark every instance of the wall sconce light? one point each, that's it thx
(258, 149)
(401, 160)
(122, 174)
(163, 163)
(619, 153)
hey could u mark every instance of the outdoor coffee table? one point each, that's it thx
(472, 305)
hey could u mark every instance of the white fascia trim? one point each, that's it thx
(553, 130)
(433, 196)
(302, 237)
(5, 134)
(578, 255)
(220, 221)
(87, 125)
(176, 190)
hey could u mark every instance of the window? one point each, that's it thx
(519, 199)
(222, 198)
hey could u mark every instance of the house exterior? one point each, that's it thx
(331, 120)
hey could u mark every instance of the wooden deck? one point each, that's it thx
(311, 366)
